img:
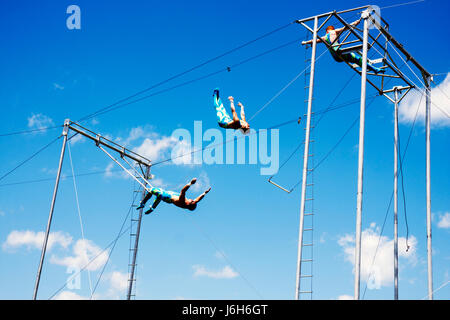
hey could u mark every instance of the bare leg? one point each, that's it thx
(242, 111)
(185, 188)
(233, 109)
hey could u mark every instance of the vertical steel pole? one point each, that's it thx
(136, 240)
(52, 207)
(305, 160)
(361, 159)
(428, 177)
(396, 195)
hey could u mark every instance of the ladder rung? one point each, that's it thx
(310, 199)
(308, 214)
(308, 245)
(305, 291)
(309, 185)
(308, 229)
(306, 276)
(306, 260)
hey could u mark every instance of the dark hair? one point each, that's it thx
(192, 206)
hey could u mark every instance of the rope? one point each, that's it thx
(29, 158)
(224, 69)
(102, 110)
(111, 244)
(222, 143)
(79, 212)
(392, 195)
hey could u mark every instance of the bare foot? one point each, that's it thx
(193, 181)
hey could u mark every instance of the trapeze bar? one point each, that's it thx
(120, 149)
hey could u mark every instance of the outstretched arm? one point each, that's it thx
(186, 187)
(200, 197)
(319, 39)
(353, 24)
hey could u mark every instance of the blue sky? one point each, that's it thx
(51, 73)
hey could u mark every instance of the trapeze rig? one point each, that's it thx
(126, 155)
(373, 36)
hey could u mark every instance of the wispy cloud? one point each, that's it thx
(440, 97)
(35, 240)
(39, 121)
(86, 254)
(225, 273)
(57, 86)
(444, 221)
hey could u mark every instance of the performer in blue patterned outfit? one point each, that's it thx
(178, 199)
(224, 119)
(351, 57)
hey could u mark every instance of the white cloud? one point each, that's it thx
(57, 86)
(225, 273)
(444, 221)
(69, 295)
(86, 255)
(440, 99)
(381, 273)
(202, 183)
(35, 240)
(345, 297)
(118, 281)
(39, 121)
(155, 148)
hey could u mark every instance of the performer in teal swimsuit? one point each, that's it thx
(223, 118)
(178, 199)
(351, 57)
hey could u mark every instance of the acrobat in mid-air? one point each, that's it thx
(178, 199)
(224, 119)
(334, 47)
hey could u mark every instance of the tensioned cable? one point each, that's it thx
(221, 70)
(392, 195)
(111, 244)
(221, 143)
(29, 131)
(79, 212)
(29, 158)
(185, 72)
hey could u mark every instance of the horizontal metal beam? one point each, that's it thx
(99, 140)
(399, 46)
(331, 12)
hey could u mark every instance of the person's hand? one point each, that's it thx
(240, 104)
(230, 98)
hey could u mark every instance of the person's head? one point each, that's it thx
(191, 204)
(245, 126)
(329, 28)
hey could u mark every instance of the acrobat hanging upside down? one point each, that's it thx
(224, 119)
(178, 199)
